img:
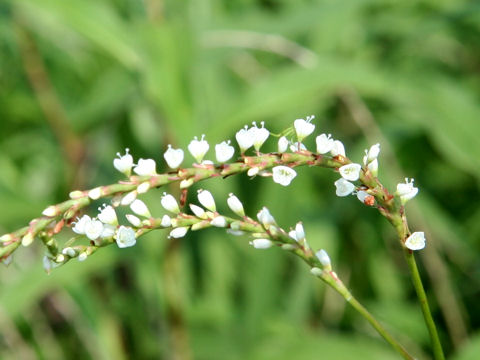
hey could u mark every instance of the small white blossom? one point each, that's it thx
(132, 219)
(50, 211)
(93, 229)
(139, 208)
(416, 241)
(224, 151)
(27, 239)
(244, 139)
(324, 259)
(361, 195)
(169, 203)
(198, 148)
(178, 232)
(69, 251)
(173, 157)
(338, 148)
(283, 175)
(303, 128)
(125, 237)
(235, 205)
(316, 271)
(260, 135)
(299, 232)
(206, 199)
(108, 231)
(344, 187)
(265, 217)
(79, 225)
(129, 198)
(95, 194)
(373, 167)
(324, 143)
(186, 183)
(143, 187)
(75, 194)
(107, 215)
(82, 256)
(371, 154)
(261, 243)
(124, 163)
(166, 221)
(145, 167)
(219, 221)
(282, 144)
(253, 171)
(406, 190)
(198, 211)
(350, 171)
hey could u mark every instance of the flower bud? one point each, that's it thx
(145, 167)
(282, 144)
(139, 208)
(206, 199)
(169, 203)
(178, 232)
(235, 205)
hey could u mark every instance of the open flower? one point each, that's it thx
(124, 163)
(344, 187)
(93, 229)
(265, 217)
(198, 148)
(79, 225)
(244, 139)
(283, 175)
(406, 190)
(350, 171)
(337, 148)
(260, 135)
(173, 157)
(145, 167)
(224, 151)
(125, 237)
(416, 241)
(324, 143)
(107, 215)
(303, 128)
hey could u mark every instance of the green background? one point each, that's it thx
(83, 79)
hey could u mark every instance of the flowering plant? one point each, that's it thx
(104, 228)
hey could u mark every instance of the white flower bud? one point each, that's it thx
(173, 157)
(344, 187)
(316, 271)
(107, 215)
(416, 241)
(69, 251)
(260, 135)
(324, 259)
(265, 217)
(143, 187)
(235, 205)
(283, 175)
(350, 171)
(198, 148)
(178, 232)
(125, 237)
(324, 143)
(60, 258)
(75, 194)
(224, 151)
(299, 232)
(261, 243)
(303, 128)
(50, 211)
(245, 139)
(373, 152)
(139, 208)
(124, 163)
(27, 239)
(282, 144)
(145, 167)
(219, 221)
(108, 231)
(206, 199)
(198, 211)
(95, 194)
(166, 221)
(129, 198)
(169, 203)
(132, 219)
(93, 229)
(186, 183)
(82, 256)
(338, 148)
(253, 171)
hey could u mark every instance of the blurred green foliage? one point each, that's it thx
(83, 79)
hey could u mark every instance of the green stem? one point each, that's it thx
(331, 279)
(422, 298)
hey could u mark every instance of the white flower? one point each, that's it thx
(373, 167)
(166, 221)
(253, 171)
(139, 208)
(235, 205)
(261, 243)
(282, 144)
(265, 217)
(143, 187)
(169, 203)
(344, 187)
(260, 135)
(145, 167)
(324, 143)
(50, 211)
(107, 215)
(198, 148)
(244, 139)
(69, 251)
(406, 190)
(416, 241)
(132, 219)
(173, 157)
(371, 154)
(294, 147)
(124, 163)
(324, 259)
(303, 128)
(95, 194)
(337, 148)
(299, 232)
(178, 232)
(219, 221)
(79, 225)
(129, 198)
(186, 183)
(283, 175)
(93, 229)
(224, 151)
(82, 256)
(361, 195)
(206, 199)
(350, 171)
(108, 231)
(198, 211)
(27, 239)
(125, 237)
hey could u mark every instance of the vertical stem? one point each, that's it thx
(422, 298)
